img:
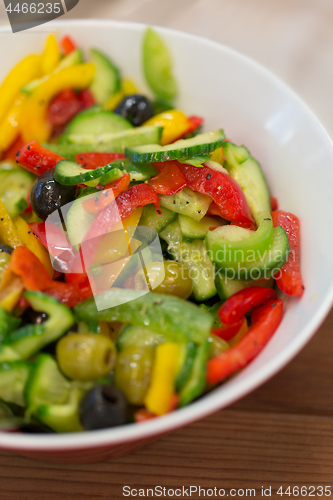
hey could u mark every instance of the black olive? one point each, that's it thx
(47, 195)
(136, 108)
(6, 249)
(103, 406)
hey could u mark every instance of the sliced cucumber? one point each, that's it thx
(226, 287)
(111, 176)
(140, 173)
(75, 57)
(8, 354)
(193, 255)
(106, 81)
(46, 384)
(15, 184)
(187, 202)
(139, 336)
(31, 338)
(201, 144)
(70, 173)
(62, 417)
(194, 230)
(96, 121)
(157, 65)
(248, 174)
(79, 220)
(268, 265)
(150, 218)
(197, 381)
(8, 323)
(187, 356)
(13, 379)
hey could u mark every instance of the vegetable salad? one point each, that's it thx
(139, 253)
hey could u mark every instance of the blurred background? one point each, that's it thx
(293, 38)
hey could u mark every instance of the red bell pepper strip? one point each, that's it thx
(86, 99)
(81, 283)
(265, 321)
(104, 198)
(142, 415)
(224, 190)
(169, 181)
(245, 225)
(12, 151)
(214, 210)
(36, 159)
(35, 277)
(236, 306)
(289, 278)
(274, 204)
(63, 108)
(68, 45)
(136, 196)
(95, 160)
(194, 123)
(227, 332)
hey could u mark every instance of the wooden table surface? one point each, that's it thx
(282, 433)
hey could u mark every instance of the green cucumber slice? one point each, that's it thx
(70, 173)
(95, 121)
(111, 176)
(201, 144)
(155, 221)
(197, 381)
(14, 189)
(176, 319)
(75, 57)
(62, 417)
(157, 66)
(13, 379)
(138, 336)
(106, 81)
(197, 230)
(46, 384)
(187, 202)
(248, 174)
(268, 265)
(187, 356)
(79, 220)
(140, 173)
(226, 287)
(8, 323)
(29, 339)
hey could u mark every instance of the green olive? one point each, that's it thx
(217, 345)
(168, 277)
(132, 372)
(85, 356)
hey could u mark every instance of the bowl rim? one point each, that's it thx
(211, 402)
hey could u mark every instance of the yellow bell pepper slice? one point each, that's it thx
(127, 87)
(242, 332)
(174, 122)
(10, 295)
(51, 55)
(217, 156)
(29, 240)
(25, 71)
(10, 125)
(8, 233)
(35, 124)
(162, 385)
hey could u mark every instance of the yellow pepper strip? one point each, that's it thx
(51, 55)
(4, 262)
(175, 125)
(162, 385)
(8, 233)
(10, 295)
(217, 156)
(25, 71)
(35, 124)
(29, 240)
(127, 87)
(242, 332)
(10, 125)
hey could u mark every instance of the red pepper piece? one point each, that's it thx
(95, 160)
(81, 283)
(214, 210)
(169, 181)
(35, 277)
(12, 151)
(274, 203)
(136, 196)
(142, 415)
(224, 190)
(289, 278)
(265, 321)
(36, 159)
(226, 332)
(104, 198)
(63, 108)
(68, 45)
(245, 225)
(86, 99)
(236, 306)
(196, 122)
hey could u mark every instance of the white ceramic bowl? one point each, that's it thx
(255, 109)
